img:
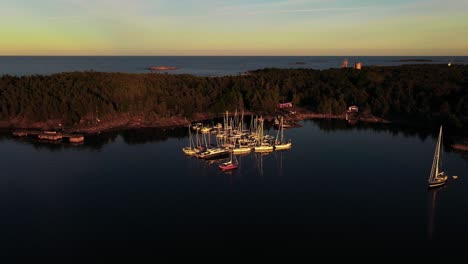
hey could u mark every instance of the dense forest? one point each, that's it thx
(412, 92)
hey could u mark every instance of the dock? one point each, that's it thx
(461, 146)
(50, 135)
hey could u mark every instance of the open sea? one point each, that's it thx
(198, 65)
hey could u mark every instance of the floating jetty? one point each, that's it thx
(461, 146)
(49, 135)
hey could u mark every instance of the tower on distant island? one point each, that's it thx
(345, 63)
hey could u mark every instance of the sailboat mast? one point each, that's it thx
(190, 137)
(435, 162)
(277, 134)
(281, 124)
(438, 151)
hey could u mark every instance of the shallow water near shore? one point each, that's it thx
(341, 188)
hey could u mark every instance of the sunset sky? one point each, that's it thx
(244, 27)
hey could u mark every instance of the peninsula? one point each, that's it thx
(88, 102)
(413, 60)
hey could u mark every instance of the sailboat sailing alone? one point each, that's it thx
(437, 177)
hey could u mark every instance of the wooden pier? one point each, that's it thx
(50, 135)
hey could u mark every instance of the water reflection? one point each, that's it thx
(279, 156)
(92, 142)
(98, 141)
(259, 159)
(432, 200)
(331, 125)
(150, 135)
(422, 132)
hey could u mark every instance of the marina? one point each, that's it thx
(233, 136)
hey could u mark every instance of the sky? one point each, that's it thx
(242, 27)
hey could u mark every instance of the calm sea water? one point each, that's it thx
(348, 190)
(197, 65)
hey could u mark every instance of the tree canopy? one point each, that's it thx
(425, 92)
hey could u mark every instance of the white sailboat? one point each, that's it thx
(190, 150)
(437, 177)
(241, 149)
(281, 145)
(261, 145)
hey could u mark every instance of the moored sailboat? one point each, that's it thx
(240, 148)
(212, 153)
(281, 145)
(230, 165)
(263, 144)
(190, 150)
(263, 148)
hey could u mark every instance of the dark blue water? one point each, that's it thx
(341, 190)
(201, 65)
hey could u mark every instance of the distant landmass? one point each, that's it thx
(163, 68)
(413, 60)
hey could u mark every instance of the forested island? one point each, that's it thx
(413, 60)
(95, 101)
(163, 68)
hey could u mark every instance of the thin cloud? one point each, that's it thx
(310, 10)
(302, 6)
(268, 6)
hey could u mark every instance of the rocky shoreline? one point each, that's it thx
(125, 121)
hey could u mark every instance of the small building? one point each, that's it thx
(353, 109)
(345, 63)
(358, 65)
(285, 105)
(76, 138)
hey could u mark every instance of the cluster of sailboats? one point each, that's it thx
(232, 138)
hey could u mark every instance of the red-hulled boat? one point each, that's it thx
(228, 166)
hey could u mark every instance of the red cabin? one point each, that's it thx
(285, 105)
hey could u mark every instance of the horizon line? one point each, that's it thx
(130, 55)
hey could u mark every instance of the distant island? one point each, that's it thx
(298, 62)
(163, 68)
(413, 60)
(88, 102)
